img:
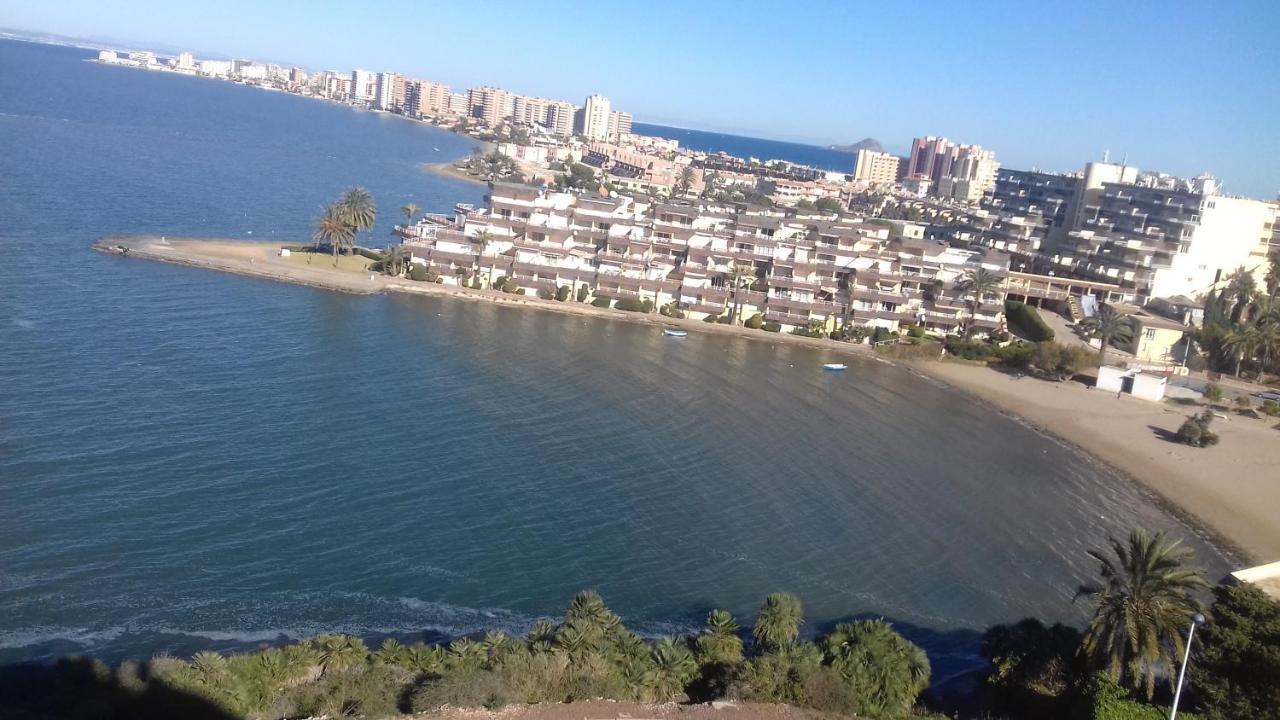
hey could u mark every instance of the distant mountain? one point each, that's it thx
(864, 144)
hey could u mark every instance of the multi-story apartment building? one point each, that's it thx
(594, 123)
(364, 85)
(384, 95)
(1159, 242)
(876, 168)
(426, 99)
(560, 117)
(797, 272)
(633, 170)
(491, 105)
(619, 124)
(957, 172)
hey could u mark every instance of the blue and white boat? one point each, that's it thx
(835, 366)
(674, 333)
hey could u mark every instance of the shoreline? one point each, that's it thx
(1122, 435)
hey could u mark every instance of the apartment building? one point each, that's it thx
(619, 124)
(958, 172)
(424, 98)
(1160, 242)
(594, 118)
(490, 104)
(876, 168)
(797, 272)
(633, 170)
(384, 96)
(364, 85)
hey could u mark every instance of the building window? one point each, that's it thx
(1150, 333)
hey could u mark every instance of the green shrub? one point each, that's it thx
(1271, 408)
(1213, 393)
(711, 319)
(724, 320)
(634, 305)
(366, 690)
(461, 689)
(1015, 355)
(1243, 402)
(563, 292)
(672, 310)
(418, 272)
(880, 334)
(916, 331)
(1026, 321)
(583, 292)
(755, 322)
(546, 294)
(1061, 362)
(1195, 431)
(601, 302)
(968, 349)
(771, 326)
(1105, 700)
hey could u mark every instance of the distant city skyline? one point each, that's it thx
(1182, 88)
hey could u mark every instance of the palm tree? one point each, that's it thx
(673, 668)
(394, 259)
(978, 283)
(888, 671)
(778, 622)
(357, 209)
(1242, 342)
(1241, 287)
(482, 240)
(720, 642)
(392, 652)
(1112, 327)
(339, 652)
(1273, 274)
(739, 276)
(409, 211)
(1143, 605)
(1268, 329)
(685, 181)
(332, 229)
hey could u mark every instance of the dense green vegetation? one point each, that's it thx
(1241, 330)
(1026, 321)
(1113, 670)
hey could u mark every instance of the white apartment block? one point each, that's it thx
(619, 125)
(363, 85)
(384, 91)
(801, 273)
(595, 118)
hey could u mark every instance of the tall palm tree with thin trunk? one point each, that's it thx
(739, 276)
(1112, 327)
(409, 211)
(1143, 604)
(332, 229)
(482, 240)
(358, 209)
(978, 283)
(1268, 340)
(1242, 342)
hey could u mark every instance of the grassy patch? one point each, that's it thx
(349, 263)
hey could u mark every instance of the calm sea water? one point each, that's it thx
(759, 148)
(190, 459)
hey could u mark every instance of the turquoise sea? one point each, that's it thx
(191, 460)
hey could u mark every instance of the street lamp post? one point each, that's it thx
(1186, 658)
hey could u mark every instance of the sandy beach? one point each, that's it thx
(1231, 490)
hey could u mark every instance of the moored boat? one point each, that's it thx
(674, 333)
(835, 366)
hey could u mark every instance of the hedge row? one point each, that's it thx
(1027, 321)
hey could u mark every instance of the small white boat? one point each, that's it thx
(674, 333)
(835, 366)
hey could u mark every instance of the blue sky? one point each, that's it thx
(1182, 87)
